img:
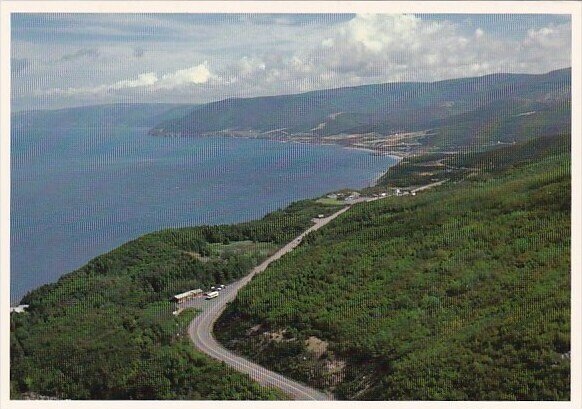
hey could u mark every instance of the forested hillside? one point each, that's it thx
(106, 331)
(450, 114)
(460, 293)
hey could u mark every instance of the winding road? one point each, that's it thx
(200, 329)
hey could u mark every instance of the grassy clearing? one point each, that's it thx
(328, 201)
(263, 249)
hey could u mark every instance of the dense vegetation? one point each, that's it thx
(460, 112)
(471, 164)
(106, 331)
(459, 293)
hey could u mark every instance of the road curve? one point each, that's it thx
(200, 329)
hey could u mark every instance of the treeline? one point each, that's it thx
(472, 164)
(106, 331)
(461, 293)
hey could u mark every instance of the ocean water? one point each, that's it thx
(77, 193)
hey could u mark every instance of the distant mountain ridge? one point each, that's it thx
(399, 118)
(449, 113)
(146, 115)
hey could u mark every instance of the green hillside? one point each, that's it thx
(458, 293)
(459, 112)
(106, 331)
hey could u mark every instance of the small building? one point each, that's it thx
(188, 295)
(332, 196)
(352, 196)
(320, 216)
(19, 309)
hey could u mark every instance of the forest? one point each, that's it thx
(106, 331)
(458, 293)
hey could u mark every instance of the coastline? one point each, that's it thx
(292, 138)
(373, 171)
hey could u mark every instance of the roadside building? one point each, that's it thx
(352, 196)
(19, 309)
(188, 295)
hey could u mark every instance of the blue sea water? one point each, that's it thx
(80, 192)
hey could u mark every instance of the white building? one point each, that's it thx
(188, 295)
(18, 309)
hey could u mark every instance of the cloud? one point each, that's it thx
(272, 54)
(385, 48)
(82, 53)
(143, 80)
(377, 33)
(199, 74)
(548, 37)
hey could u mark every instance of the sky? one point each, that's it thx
(67, 59)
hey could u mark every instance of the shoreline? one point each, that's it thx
(369, 181)
(311, 141)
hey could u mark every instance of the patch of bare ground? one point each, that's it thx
(254, 330)
(197, 256)
(332, 368)
(277, 336)
(316, 346)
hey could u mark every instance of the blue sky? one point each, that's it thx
(65, 59)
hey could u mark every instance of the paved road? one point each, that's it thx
(200, 329)
(418, 189)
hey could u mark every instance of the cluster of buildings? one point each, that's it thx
(351, 196)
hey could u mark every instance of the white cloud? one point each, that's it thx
(143, 80)
(249, 65)
(548, 37)
(266, 58)
(378, 32)
(199, 74)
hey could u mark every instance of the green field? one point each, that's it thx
(328, 201)
(263, 249)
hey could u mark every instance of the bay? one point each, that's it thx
(80, 192)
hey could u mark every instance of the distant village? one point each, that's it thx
(356, 196)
